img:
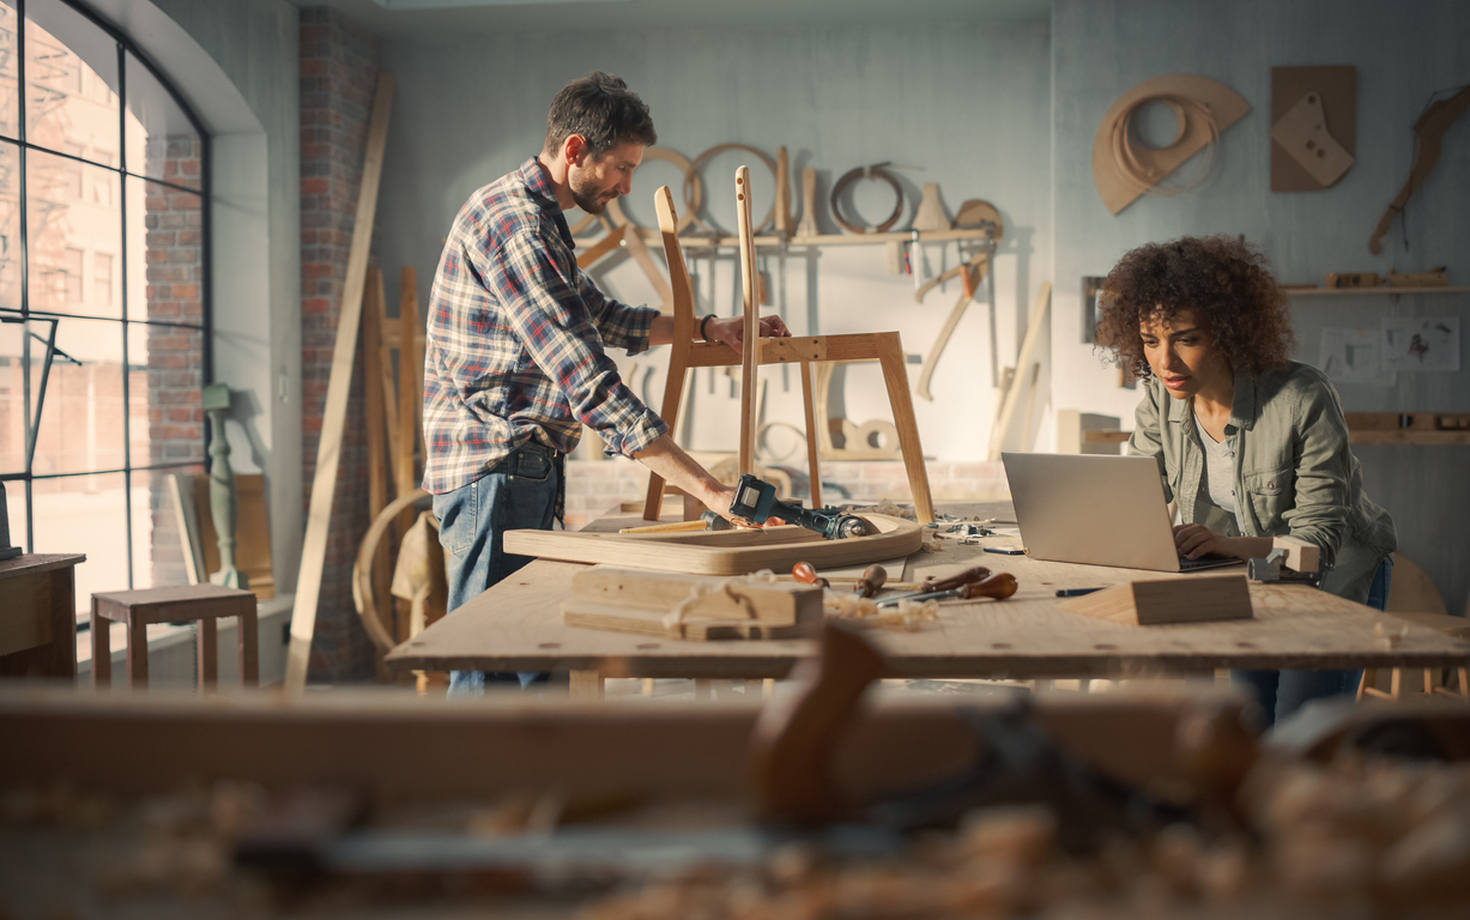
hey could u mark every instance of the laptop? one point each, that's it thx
(1101, 510)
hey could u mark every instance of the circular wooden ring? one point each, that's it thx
(867, 172)
(694, 194)
(691, 198)
(362, 569)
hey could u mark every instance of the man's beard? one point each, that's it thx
(590, 200)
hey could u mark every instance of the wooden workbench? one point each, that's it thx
(38, 616)
(517, 626)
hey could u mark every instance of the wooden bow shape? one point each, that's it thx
(1429, 130)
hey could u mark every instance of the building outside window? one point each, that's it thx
(103, 295)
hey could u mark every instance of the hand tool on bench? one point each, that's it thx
(755, 500)
(873, 578)
(806, 573)
(1290, 562)
(930, 585)
(999, 586)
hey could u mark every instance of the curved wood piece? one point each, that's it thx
(975, 261)
(750, 297)
(868, 172)
(602, 247)
(1225, 106)
(728, 552)
(1429, 129)
(362, 570)
(693, 189)
(931, 360)
(682, 298)
(691, 203)
(1013, 392)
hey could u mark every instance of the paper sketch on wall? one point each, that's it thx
(1419, 343)
(1351, 356)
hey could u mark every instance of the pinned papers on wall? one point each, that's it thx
(1353, 356)
(1420, 343)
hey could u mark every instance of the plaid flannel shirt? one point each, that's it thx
(516, 338)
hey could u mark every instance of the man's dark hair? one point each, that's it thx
(602, 109)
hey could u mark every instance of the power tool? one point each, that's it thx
(755, 501)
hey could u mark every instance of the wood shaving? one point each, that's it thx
(907, 616)
(673, 620)
(1389, 637)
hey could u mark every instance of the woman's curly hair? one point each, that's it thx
(1223, 280)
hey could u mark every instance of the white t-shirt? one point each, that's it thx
(1219, 470)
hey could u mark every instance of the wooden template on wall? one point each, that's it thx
(1308, 153)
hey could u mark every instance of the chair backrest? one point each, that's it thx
(679, 283)
(1412, 590)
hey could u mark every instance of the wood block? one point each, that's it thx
(1191, 599)
(651, 623)
(1301, 556)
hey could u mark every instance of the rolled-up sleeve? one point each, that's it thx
(549, 314)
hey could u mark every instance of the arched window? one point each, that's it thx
(104, 294)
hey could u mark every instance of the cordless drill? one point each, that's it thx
(755, 500)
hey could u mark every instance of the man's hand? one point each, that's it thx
(731, 330)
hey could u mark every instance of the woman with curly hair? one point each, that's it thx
(1251, 444)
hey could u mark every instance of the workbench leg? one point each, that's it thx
(208, 654)
(101, 650)
(647, 687)
(585, 685)
(768, 688)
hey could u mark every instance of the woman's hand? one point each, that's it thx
(1196, 540)
(731, 330)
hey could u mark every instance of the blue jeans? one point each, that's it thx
(518, 493)
(1281, 693)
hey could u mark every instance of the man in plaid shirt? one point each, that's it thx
(515, 361)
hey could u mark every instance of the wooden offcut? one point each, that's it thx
(339, 385)
(1191, 599)
(640, 601)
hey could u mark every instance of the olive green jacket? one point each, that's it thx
(1294, 473)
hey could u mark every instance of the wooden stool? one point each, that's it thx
(204, 603)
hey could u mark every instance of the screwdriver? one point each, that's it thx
(873, 578)
(931, 585)
(1000, 586)
(805, 573)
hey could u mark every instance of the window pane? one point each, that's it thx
(9, 226)
(165, 252)
(165, 373)
(71, 81)
(161, 143)
(87, 514)
(9, 70)
(67, 221)
(158, 549)
(82, 418)
(12, 402)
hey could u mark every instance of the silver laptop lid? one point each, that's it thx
(1101, 510)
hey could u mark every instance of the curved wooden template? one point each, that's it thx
(877, 173)
(1225, 105)
(691, 204)
(931, 360)
(731, 552)
(362, 569)
(693, 190)
(975, 213)
(1429, 130)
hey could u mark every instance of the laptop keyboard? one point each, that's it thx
(1206, 562)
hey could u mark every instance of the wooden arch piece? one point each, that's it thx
(1224, 104)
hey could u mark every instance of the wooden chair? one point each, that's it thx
(1414, 597)
(884, 347)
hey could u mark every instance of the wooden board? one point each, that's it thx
(1013, 391)
(1337, 93)
(339, 385)
(733, 552)
(779, 603)
(1167, 600)
(639, 622)
(1225, 105)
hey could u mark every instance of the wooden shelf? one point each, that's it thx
(696, 241)
(1381, 289)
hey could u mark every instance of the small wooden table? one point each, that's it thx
(38, 616)
(204, 603)
(517, 626)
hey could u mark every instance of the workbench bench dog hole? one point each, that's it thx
(549, 645)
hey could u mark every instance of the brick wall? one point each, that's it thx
(339, 71)
(175, 272)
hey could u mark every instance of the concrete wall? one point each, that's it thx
(1402, 52)
(961, 104)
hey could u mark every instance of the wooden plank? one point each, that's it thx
(334, 414)
(374, 398)
(1023, 359)
(186, 519)
(721, 553)
(1167, 600)
(639, 622)
(782, 603)
(410, 433)
(750, 302)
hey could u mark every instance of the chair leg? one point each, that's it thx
(895, 378)
(673, 391)
(208, 654)
(1370, 676)
(813, 462)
